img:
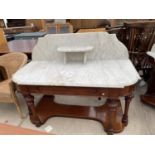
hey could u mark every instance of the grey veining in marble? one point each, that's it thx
(107, 73)
(107, 63)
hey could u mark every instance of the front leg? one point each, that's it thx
(126, 110)
(114, 116)
(31, 107)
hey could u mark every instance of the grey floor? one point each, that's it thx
(141, 117)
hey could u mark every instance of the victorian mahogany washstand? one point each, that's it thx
(107, 73)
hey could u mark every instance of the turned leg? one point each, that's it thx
(114, 110)
(127, 103)
(32, 112)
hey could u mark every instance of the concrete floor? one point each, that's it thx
(141, 117)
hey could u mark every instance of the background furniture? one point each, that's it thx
(88, 23)
(11, 62)
(107, 73)
(138, 36)
(30, 35)
(3, 41)
(91, 30)
(21, 46)
(52, 28)
(9, 37)
(149, 96)
(24, 25)
(16, 22)
(39, 24)
(21, 29)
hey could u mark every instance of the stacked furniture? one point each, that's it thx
(16, 22)
(20, 29)
(88, 23)
(91, 30)
(54, 28)
(39, 24)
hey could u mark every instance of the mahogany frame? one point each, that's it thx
(109, 114)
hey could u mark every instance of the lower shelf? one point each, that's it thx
(47, 108)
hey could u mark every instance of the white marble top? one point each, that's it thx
(107, 63)
(99, 73)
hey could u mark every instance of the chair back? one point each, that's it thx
(13, 61)
(3, 41)
(140, 36)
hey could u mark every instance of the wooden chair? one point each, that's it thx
(139, 38)
(11, 63)
(3, 41)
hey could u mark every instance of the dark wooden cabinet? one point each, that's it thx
(16, 22)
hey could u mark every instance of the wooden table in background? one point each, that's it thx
(25, 46)
(29, 36)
